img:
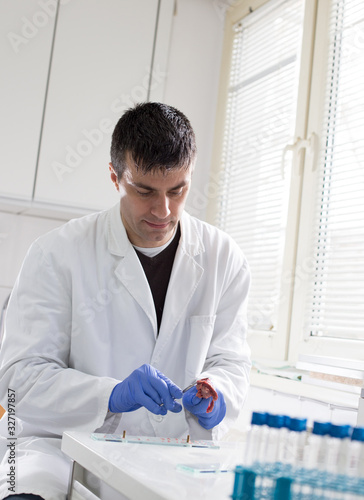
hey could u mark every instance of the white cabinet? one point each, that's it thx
(100, 64)
(26, 32)
(103, 52)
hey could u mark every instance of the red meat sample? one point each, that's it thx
(205, 391)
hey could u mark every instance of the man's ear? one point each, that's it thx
(114, 177)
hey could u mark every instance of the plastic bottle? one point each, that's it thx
(255, 438)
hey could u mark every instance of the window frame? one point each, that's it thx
(289, 341)
(299, 343)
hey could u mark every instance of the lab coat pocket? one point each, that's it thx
(200, 333)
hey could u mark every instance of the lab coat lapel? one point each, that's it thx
(132, 276)
(129, 270)
(185, 277)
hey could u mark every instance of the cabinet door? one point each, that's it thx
(101, 65)
(26, 32)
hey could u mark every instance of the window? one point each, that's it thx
(291, 159)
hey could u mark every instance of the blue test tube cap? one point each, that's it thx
(298, 424)
(276, 421)
(340, 431)
(287, 421)
(259, 418)
(358, 434)
(321, 428)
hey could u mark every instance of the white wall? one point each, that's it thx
(192, 81)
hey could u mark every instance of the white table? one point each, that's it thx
(148, 472)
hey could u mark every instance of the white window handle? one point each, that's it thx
(309, 145)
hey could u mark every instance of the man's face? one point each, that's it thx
(151, 204)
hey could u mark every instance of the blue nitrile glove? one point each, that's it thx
(148, 387)
(198, 407)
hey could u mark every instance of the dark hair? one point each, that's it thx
(156, 136)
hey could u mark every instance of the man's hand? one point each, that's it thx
(147, 387)
(199, 406)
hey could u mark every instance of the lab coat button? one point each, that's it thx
(158, 418)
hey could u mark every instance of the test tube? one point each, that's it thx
(356, 453)
(274, 440)
(244, 484)
(317, 446)
(283, 444)
(255, 438)
(238, 483)
(355, 464)
(338, 453)
(282, 490)
(296, 440)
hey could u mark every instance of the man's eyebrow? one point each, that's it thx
(149, 188)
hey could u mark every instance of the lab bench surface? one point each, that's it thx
(145, 471)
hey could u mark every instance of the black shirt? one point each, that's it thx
(158, 271)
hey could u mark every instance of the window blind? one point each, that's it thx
(259, 123)
(335, 301)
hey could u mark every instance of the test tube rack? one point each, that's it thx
(277, 481)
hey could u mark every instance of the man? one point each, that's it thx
(113, 314)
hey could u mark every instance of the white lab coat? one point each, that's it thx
(81, 318)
